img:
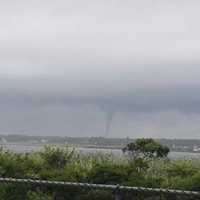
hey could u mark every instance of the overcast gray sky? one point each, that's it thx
(100, 67)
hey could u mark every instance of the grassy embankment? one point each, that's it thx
(63, 164)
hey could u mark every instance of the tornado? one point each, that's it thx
(109, 119)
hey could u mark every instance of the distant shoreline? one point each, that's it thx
(25, 144)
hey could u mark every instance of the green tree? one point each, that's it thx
(146, 148)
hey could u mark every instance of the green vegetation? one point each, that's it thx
(153, 169)
(146, 148)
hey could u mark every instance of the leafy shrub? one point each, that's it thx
(38, 196)
(56, 157)
(108, 174)
(181, 168)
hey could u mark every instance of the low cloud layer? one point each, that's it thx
(94, 68)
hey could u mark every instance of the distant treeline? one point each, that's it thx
(173, 144)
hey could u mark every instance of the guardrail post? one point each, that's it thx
(118, 193)
(118, 196)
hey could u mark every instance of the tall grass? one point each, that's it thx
(64, 164)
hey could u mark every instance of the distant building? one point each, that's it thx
(43, 141)
(196, 149)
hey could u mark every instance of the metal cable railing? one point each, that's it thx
(119, 192)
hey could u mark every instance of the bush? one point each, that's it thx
(56, 157)
(181, 168)
(38, 196)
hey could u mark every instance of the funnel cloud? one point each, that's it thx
(109, 118)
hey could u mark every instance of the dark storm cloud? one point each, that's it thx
(37, 92)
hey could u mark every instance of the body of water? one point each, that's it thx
(23, 148)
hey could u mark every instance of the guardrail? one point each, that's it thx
(119, 192)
